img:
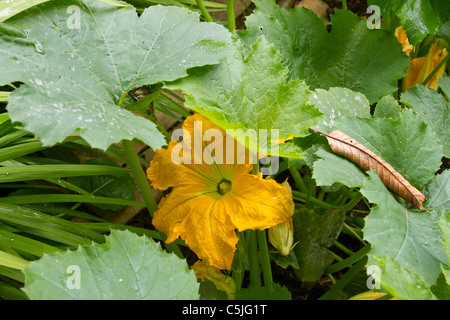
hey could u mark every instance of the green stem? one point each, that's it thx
(253, 258)
(302, 196)
(230, 16)
(140, 177)
(298, 180)
(203, 10)
(344, 4)
(122, 99)
(352, 232)
(144, 186)
(160, 127)
(347, 262)
(344, 280)
(265, 259)
(335, 256)
(321, 194)
(427, 79)
(238, 263)
(343, 248)
(12, 86)
(330, 276)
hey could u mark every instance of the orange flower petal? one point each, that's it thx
(415, 73)
(194, 217)
(436, 59)
(206, 140)
(190, 159)
(255, 203)
(209, 232)
(175, 207)
(402, 38)
(421, 67)
(164, 172)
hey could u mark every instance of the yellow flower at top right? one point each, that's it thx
(421, 67)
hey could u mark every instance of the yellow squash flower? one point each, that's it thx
(421, 67)
(210, 200)
(402, 38)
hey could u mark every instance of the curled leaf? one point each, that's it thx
(351, 149)
(222, 282)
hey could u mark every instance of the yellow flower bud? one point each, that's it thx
(281, 237)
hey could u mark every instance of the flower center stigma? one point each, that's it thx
(224, 186)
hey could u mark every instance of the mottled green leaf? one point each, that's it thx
(441, 289)
(251, 94)
(351, 55)
(439, 193)
(401, 238)
(406, 143)
(418, 17)
(445, 226)
(126, 267)
(338, 102)
(79, 64)
(444, 82)
(434, 110)
(387, 107)
(331, 168)
(402, 283)
(315, 233)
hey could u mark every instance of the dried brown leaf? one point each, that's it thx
(351, 149)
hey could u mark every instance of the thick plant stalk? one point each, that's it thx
(203, 10)
(239, 261)
(265, 259)
(144, 187)
(141, 178)
(230, 16)
(253, 258)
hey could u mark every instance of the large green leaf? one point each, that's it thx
(406, 143)
(250, 94)
(331, 168)
(126, 267)
(434, 109)
(402, 240)
(351, 55)
(439, 202)
(315, 233)
(338, 102)
(401, 282)
(418, 17)
(387, 107)
(445, 225)
(11, 8)
(439, 193)
(76, 75)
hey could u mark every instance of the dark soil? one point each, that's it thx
(357, 6)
